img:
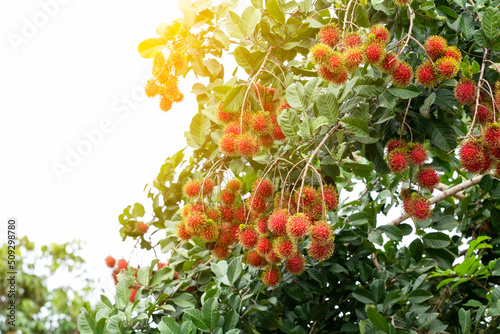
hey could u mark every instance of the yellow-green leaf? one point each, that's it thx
(150, 46)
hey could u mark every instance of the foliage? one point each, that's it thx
(437, 274)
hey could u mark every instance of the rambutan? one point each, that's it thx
(227, 144)
(340, 78)
(325, 73)
(298, 225)
(319, 252)
(306, 196)
(330, 197)
(393, 144)
(263, 188)
(408, 204)
(418, 154)
(428, 177)
(256, 204)
(284, 105)
(266, 140)
(195, 222)
(272, 257)
(491, 136)
(374, 53)
(330, 34)
(261, 224)
(227, 197)
(122, 264)
(223, 116)
(435, 46)
(473, 157)
(181, 231)
(152, 89)
(260, 123)
(233, 128)
(321, 233)
(227, 213)
(214, 215)
(209, 232)
(271, 276)
(352, 40)
(379, 34)
(141, 227)
(285, 247)
(248, 237)
(247, 145)
(165, 103)
(240, 214)
(233, 186)
(484, 115)
(277, 222)
(208, 186)
(296, 264)
(353, 57)
(319, 53)
(220, 252)
(264, 245)
(159, 61)
(133, 292)
(315, 210)
(192, 188)
(226, 236)
(421, 208)
(336, 62)
(426, 75)
(176, 59)
(161, 265)
(389, 63)
(110, 261)
(405, 193)
(453, 52)
(465, 91)
(447, 67)
(402, 75)
(277, 133)
(398, 160)
(254, 259)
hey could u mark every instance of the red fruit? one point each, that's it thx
(247, 145)
(389, 63)
(427, 177)
(402, 75)
(330, 197)
(261, 225)
(233, 186)
(353, 57)
(233, 128)
(256, 204)
(226, 237)
(330, 34)
(319, 252)
(425, 75)
(284, 247)
(226, 214)
(110, 261)
(352, 40)
(264, 245)
(271, 276)
(336, 62)
(181, 231)
(248, 237)
(380, 34)
(447, 67)
(208, 186)
(321, 233)
(465, 91)
(307, 196)
(227, 144)
(408, 204)
(473, 157)
(209, 232)
(398, 160)
(254, 259)
(418, 154)
(122, 264)
(319, 53)
(266, 140)
(277, 222)
(484, 115)
(240, 214)
(325, 73)
(374, 53)
(224, 117)
(277, 133)
(227, 197)
(195, 222)
(260, 123)
(272, 257)
(421, 208)
(298, 225)
(491, 136)
(133, 292)
(141, 227)
(220, 252)
(214, 215)
(393, 144)
(453, 52)
(192, 188)
(315, 210)
(340, 78)
(296, 264)
(284, 105)
(435, 46)
(405, 193)
(161, 265)
(263, 188)
(114, 274)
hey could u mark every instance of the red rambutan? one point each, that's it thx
(402, 75)
(227, 197)
(260, 123)
(261, 224)
(271, 276)
(223, 116)
(122, 264)
(254, 259)
(428, 177)
(277, 133)
(484, 115)
(330, 197)
(220, 252)
(389, 63)
(296, 264)
(330, 34)
(418, 154)
(491, 136)
(209, 232)
(181, 231)
(227, 214)
(453, 52)
(233, 186)
(263, 188)
(319, 53)
(435, 46)
(465, 91)
(352, 40)
(426, 75)
(247, 145)
(307, 196)
(240, 214)
(353, 57)
(233, 128)
(195, 222)
(192, 188)
(248, 237)
(285, 247)
(256, 204)
(472, 156)
(319, 252)
(398, 160)
(264, 245)
(298, 225)
(447, 67)
(272, 257)
(277, 222)
(421, 208)
(336, 62)
(340, 78)
(374, 53)
(379, 34)
(227, 144)
(110, 261)
(321, 233)
(393, 144)
(141, 227)
(325, 73)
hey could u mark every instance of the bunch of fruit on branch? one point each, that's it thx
(247, 132)
(273, 227)
(165, 83)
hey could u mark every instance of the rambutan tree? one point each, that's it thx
(343, 174)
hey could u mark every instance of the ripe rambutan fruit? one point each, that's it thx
(405, 193)
(214, 215)
(161, 265)
(264, 245)
(227, 197)
(307, 196)
(277, 133)
(325, 73)
(195, 222)
(192, 188)
(266, 140)
(263, 188)
(240, 214)
(256, 204)
(352, 40)
(421, 208)
(428, 177)
(277, 222)
(398, 160)
(484, 115)
(389, 63)
(447, 67)
(181, 231)
(141, 227)
(233, 186)
(379, 34)
(248, 237)
(209, 232)
(336, 62)
(159, 61)
(330, 34)
(271, 276)
(473, 157)
(453, 52)
(353, 57)
(152, 89)
(254, 259)
(260, 123)
(402, 75)
(261, 224)
(319, 53)
(220, 252)
(285, 247)
(272, 257)
(296, 264)
(330, 197)
(435, 46)
(393, 144)
(374, 53)
(426, 75)
(340, 78)
(319, 252)
(491, 136)
(298, 225)
(321, 233)
(233, 128)
(408, 204)
(465, 91)
(122, 264)
(315, 210)
(247, 145)
(165, 103)
(110, 261)
(133, 292)
(208, 186)
(228, 144)
(227, 214)
(226, 236)
(223, 116)
(418, 154)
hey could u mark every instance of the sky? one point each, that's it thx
(79, 139)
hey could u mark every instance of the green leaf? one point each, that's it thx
(122, 295)
(442, 135)
(196, 316)
(230, 320)
(199, 127)
(143, 276)
(378, 320)
(188, 327)
(364, 296)
(150, 46)
(392, 232)
(210, 314)
(234, 99)
(248, 60)
(480, 38)
(289, 123)
(416, 249)
(406, 92)
(465, 320)
(404, 257)
(249, 19)
(185, 300)
(361, 18)
(234, 270)
(233, 25)
(491, 22)
(115, 325)
(356, 125)
(161, 275)
(86, 324)
(436, 240)
(377, 287)
(296, 96)
(169, 326)
(419, 296)
(370, 87)
(274, 9)
(426, 107)
(467, 25)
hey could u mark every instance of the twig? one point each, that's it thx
(408, 36)
(479, 86)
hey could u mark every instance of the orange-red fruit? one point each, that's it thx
(307, 195)
(296, 264)
(141, 227)
(453, 52)
(260, 123)
(165, 103)
(402, 75)
(321, 233)
(353, 57)
(389, 63)
(214, 215)
(298, 225)
(181, 231)
(447, 67)
(223, 116)
(248, 237)
(319, 53)
(285, 247)
(208, 187)
(421, 208)
(473, 157)
(277, 222)
(263, 188)
(122, 264)
(233, 128)
(336, 62)
(398, 160)
(330, 197)
(271, 276)
(195, 222)
(240, 214)
(465, 91)
(380, 33)
(393, 144)
(418, 154)
(192, 188)
(133, 292)
(110, 261)
(227, 144)
(264, 245)
(209, 232)
(226, 236)
(435, 46)
(425, 75)
(233, 186)
(374, 53)
(254, 259)
(227, 197)
(226, 213)
(428, 177)
(220, 252)
(340, 78)
(277, 133)
(272, 257)
(325, 73)
(261, 225)
(491, 136)
(256, 204)
(319, 252)
(330, 34)
(247, 145)
(352, 40)
(484, 115)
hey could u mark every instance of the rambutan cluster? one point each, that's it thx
(247, 132)
(164, 83)
(417, 206)
(337, 57)
(401, 155)
(443, 64)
